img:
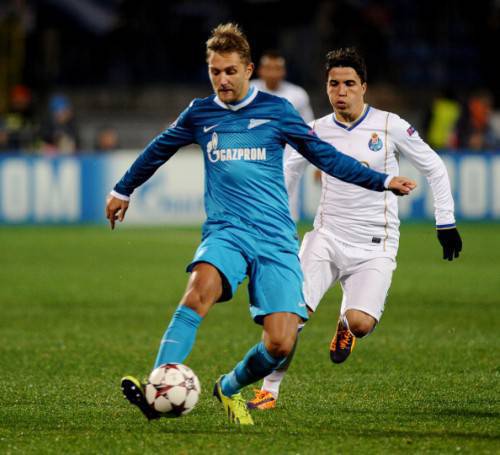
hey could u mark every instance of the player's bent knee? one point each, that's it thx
(192, 299)
(360, 323)
(197, 301)
(280, 333)
(279, 350)
(362, 328)
(280, 347)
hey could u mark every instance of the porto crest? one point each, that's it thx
(375, 143)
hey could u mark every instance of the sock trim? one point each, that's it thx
(193, 317)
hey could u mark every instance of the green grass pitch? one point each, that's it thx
(82, 306)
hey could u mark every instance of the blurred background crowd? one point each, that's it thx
(90, 76)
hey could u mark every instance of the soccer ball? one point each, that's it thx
(173, 389)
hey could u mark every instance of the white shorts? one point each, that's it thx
(365, 276)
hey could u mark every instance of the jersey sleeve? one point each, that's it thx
(158, 151)
(295, 165)
(304, 107)
(323, 155)
(409, 143)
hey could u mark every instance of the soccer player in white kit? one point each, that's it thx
(356, 231)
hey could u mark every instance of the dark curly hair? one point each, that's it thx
(346, 57)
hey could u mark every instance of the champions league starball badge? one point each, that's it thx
(375, 143)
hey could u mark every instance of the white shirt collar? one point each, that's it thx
(252, 93)
(349, 124)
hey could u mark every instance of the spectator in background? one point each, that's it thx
(441, 120)
(59, 134)
(19, 120)
(272, 73)
(106, 139)
(474, 130)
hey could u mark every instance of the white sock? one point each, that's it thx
(272, 381)
(345, 322)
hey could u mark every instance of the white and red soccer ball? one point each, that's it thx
(172, 389)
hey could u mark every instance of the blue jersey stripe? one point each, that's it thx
(445, 226)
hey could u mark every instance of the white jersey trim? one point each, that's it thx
(122, 197)
(245, 102)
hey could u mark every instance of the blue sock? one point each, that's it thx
(256, 364)
(179, 337)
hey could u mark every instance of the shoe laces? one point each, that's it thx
(240, 403)
(344, 338)
(260, 395)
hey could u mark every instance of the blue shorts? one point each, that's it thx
(275, 276)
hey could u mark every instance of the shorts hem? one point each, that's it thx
(259, 318)
(367, 311)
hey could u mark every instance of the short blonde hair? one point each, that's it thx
(229, 38)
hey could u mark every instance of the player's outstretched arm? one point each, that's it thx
(429, 163)
(158, 152)
(115, 210)
(401, 186)
(330, 160)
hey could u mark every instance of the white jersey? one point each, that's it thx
(293, 93)
(359, 217)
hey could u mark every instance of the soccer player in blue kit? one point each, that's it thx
(248, 230)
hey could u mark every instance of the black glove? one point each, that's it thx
(451, 242)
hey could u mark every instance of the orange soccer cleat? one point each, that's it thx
(263, 400)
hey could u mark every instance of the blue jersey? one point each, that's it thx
(243, 146)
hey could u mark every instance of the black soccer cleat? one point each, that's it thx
(133, 391)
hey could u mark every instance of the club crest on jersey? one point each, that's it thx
(375, 143)
(255, 122)
(233, 154)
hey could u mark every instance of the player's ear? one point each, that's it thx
(364, 86)
(249, 70)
